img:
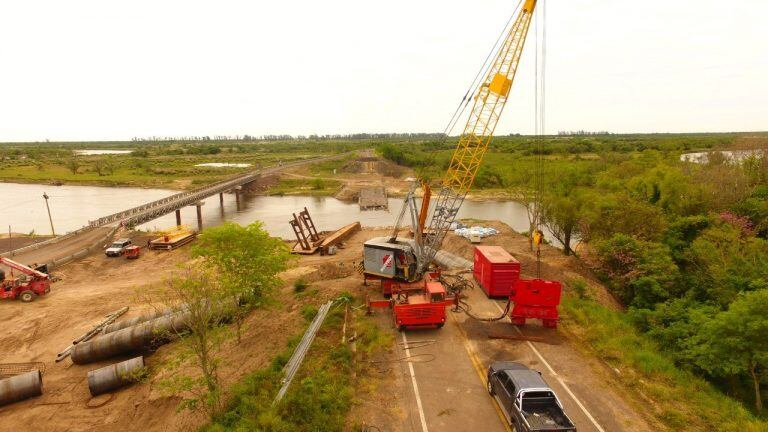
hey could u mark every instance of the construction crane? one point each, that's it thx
(34, 283)
(467, 158)
(402, 264)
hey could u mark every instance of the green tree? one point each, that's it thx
(247, 260)
(611, 214)
(563, 214)
(670, 189)
(103, 167)
(196, 294)
(642, 273)
(734, 342)
(72, 164)
(726, 261)
(674, 324)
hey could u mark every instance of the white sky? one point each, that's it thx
(89, 70)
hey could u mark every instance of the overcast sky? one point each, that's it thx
(91, 70)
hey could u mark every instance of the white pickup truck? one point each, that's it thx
(117, 248)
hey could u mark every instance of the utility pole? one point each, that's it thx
(45, 195)
(10, 241)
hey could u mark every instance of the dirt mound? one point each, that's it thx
(373, 164)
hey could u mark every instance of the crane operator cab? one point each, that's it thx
(383, 259)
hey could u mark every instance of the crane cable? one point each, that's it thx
(540, 117)
(474, 85)
(480, 75)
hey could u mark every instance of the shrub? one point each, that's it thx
(300, 285)
(308, 312)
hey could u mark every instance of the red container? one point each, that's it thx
(495, 270)
(536, 299)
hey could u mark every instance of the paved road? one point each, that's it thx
(452, 387)
(62, 249)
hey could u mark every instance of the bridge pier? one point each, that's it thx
(178, 217)
(221, 199)
(199, 207)
(238, 190)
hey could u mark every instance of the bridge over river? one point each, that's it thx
(79, 243)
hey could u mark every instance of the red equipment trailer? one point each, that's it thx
(24, 288)
(495, 270)
(418, 304)
(533, 299)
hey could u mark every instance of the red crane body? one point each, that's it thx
(36, 283)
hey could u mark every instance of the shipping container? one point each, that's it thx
(495, 270)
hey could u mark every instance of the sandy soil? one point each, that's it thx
(96, 286)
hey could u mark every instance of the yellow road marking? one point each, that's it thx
(557, 377)
(481, 373)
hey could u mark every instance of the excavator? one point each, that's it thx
(33, 283)
(416, 295)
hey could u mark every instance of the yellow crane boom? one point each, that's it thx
(478, 132)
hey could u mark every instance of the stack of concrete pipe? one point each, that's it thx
(130, 339)
(128, 336)
(137, 320)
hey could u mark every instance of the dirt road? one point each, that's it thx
(64, 248)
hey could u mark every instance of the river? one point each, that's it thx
(23, 208)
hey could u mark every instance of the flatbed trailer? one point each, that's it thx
(172, 241)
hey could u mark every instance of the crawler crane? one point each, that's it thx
(418, 298)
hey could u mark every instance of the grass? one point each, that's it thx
(305, 186)
(678, 399)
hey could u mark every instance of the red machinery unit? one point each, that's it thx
(132, 252)
(418, 304)
(537, 299)
(26, 288)
(495, 270)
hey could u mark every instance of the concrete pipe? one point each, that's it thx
(448, 260)
(21, 387)
(136, 320)
(114, 376)
(128, 340)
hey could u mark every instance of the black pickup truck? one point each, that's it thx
(527, 401)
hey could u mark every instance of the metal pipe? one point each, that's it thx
(21, 387)
(137, 320)
(131, 339)
(114, 376)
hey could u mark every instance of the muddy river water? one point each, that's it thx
(23, 208)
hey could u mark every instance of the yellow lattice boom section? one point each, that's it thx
(488, 105)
